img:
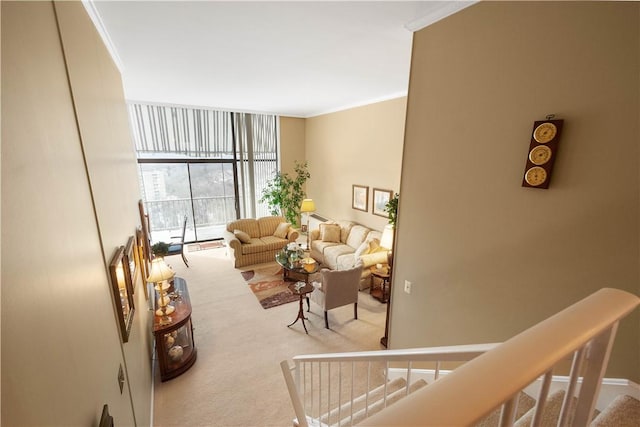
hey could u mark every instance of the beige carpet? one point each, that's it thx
(236, 380)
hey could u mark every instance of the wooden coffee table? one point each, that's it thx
(304, 292)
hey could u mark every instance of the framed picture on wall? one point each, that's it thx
(142, 260)
(380, 200)
(122, 293)
(131, 262)
(360, 197)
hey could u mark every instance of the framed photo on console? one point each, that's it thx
(380, 200)
(360, 197)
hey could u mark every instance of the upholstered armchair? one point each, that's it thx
(338, 288)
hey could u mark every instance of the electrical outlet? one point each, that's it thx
(407, 286)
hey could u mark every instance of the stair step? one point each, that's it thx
(525, 403)
(360, 401)
(550, 413)
(379, 405)
(624, 411)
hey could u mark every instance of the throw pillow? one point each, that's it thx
(242, 236)
(362, 249)
(330, 233)
(374, 245)
(282, 230)
(375, 258)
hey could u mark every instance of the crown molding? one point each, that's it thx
(436, 13)
(90, 7)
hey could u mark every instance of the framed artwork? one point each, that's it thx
(142, 260)
(131, 261)
(360, 197)
(380, 200)
(122, 293)
(144, 221)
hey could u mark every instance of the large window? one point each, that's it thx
(210, 166)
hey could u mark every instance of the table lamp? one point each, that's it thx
(386, 241)
(160, 274)
(307, 207)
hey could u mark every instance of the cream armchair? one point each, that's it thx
(338, 288)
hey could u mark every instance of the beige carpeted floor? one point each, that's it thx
(236, 380)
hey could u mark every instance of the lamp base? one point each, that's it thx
(168, 309)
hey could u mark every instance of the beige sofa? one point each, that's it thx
(254, 241)
(353, 242)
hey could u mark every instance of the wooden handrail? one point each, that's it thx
(475, 389)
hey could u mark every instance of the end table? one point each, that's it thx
(381, 293)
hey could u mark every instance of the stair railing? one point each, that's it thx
(323, 387)
(584, 331)
(491, 379)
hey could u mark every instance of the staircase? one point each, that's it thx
(485, 389)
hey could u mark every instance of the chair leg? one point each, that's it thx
(308, 305)
(184, 259)
(326, 319)
(355, 310)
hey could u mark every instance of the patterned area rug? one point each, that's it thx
(269, 287)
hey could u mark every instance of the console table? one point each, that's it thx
(175, 346)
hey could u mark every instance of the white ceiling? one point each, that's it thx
(295, 58)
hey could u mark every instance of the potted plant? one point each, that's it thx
(160, 249)
(283, 194)
(392, 209)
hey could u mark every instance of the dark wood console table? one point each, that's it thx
(175, 346)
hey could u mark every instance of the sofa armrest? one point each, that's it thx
(314, 235)
(292, 234)
(231, 240)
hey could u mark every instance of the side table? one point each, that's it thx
(304, 292)
(381, 293)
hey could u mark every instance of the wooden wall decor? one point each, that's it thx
(543, 150)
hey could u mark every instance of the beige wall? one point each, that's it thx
(360, 146)
(487, 257)
(292, 146)
(69, 193)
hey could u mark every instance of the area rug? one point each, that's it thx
(268, 286)
(194, 247)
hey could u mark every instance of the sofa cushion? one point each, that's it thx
(346, 261)
(273, 243)
(268, 224)
(253, 247)
(248, 225)
(282, 229)
(357, 235)
(242, 236)
(332, 253)
(345, 229)
(330, 233)
(318, 246)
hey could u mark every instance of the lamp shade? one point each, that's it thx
(159, 271)
(308, 206)
(386, 241)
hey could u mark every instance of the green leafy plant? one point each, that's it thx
(160, 249)
(284, 194)
(392, 209)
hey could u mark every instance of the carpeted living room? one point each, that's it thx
(237, 380)
(513, 262)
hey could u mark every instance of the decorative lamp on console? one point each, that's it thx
(386, 241)
(307, 207)
(160, 274)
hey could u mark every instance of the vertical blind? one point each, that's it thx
(250, 140)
